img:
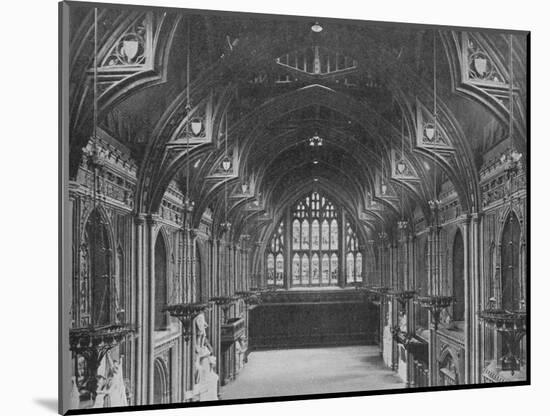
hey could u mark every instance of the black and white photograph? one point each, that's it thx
(266, 207)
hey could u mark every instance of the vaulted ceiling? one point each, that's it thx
(263, 86)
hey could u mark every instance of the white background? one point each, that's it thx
(28, 171)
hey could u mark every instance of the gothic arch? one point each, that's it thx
(161, 382)
(161, 264)
(448, 357)
(458, 292)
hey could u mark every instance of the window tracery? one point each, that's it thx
(275, 258)
(354, 258)
(314, 242)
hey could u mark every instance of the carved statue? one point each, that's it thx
(206, 379)
(403, 322)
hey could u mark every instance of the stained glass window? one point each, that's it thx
(316, 252)
(315, 235)
(325, 270)
(358, 267)
(270, 269)
(315, 269)
(315, 240)
(296, 235)
(334, 269)
(325, 242)
(305, 235)
(296, 269)
(305, 269)
(279, 268)
(275, 258)
(354, 258)
(350, 268)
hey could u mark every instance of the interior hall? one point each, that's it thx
(272, 206)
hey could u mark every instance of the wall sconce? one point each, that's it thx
(315, 141)
(244, 187)
(384, 188)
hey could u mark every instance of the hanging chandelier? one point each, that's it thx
(435, 304)
(196, 129)
(315, 140)
(402, 224)
(186, 312)
(431, 134)
(316, 27)
(226, 161)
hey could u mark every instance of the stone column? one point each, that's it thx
(464, 222)
(149, 285)
(410, 285)
(141, 349)
(394, 318)
(477, 335)
(288, 249)
(342, 249)
(434, 290)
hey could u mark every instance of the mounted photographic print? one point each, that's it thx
(265, 207)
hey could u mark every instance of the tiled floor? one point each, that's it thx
(310, 371)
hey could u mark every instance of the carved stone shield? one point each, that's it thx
(401, 167)
(480, 65)
(130, 48)
(196, 126)
(429, 130)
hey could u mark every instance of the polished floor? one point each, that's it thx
(310, 371)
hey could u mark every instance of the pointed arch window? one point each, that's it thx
(325, 270)
(509, 257)
(354, 258)
(334, 269)
(275, 259)
(316, 250)
(296, 269)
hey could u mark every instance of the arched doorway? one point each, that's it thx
(96, 235)
(161, 290)
(458, 277)
(509, 258)
(161, 391)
